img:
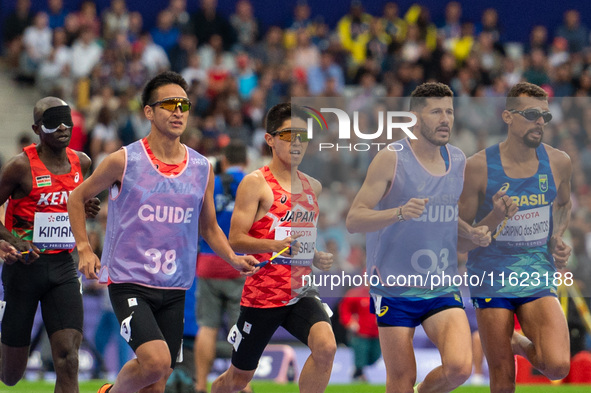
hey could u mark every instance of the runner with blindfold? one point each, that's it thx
(37, 183)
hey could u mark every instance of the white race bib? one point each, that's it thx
(125, 329)
(179, 356)
(235, 337)
(307, 240)
(52, 231)
(528, 228)
(2, 308)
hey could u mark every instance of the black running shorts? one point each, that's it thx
(147, 314)
(256, 326)
(52, 280)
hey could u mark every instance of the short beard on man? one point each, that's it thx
(532, 143)
(430, 136)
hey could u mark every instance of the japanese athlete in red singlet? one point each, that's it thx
(276, 208)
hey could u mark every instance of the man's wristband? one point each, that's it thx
(399, 215)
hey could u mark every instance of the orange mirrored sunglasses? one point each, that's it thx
(170, 104)
(290, 134)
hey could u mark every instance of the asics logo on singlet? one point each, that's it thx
(54, 198)
(169, 214)
(439, 213)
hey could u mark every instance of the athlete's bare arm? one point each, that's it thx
(85, 162)
(562, 172)
(474, 187)
(16, 182)
(93, 205)
(315, 184)
(475, 180)
(109, 172)
(362, 217)
(215, 237)
(254, 198)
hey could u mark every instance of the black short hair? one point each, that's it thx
(278, 114)
(162, 79)
(524, 88)
(235, 152)
(418, 98)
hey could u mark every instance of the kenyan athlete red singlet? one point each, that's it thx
(45, 208)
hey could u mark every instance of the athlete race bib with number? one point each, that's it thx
(307, 240)
(52, 231)
(528, 228)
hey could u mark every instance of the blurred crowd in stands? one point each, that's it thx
(99, 61)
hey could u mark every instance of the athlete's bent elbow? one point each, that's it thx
(558, 371)
(236, 244)
(350, 224)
